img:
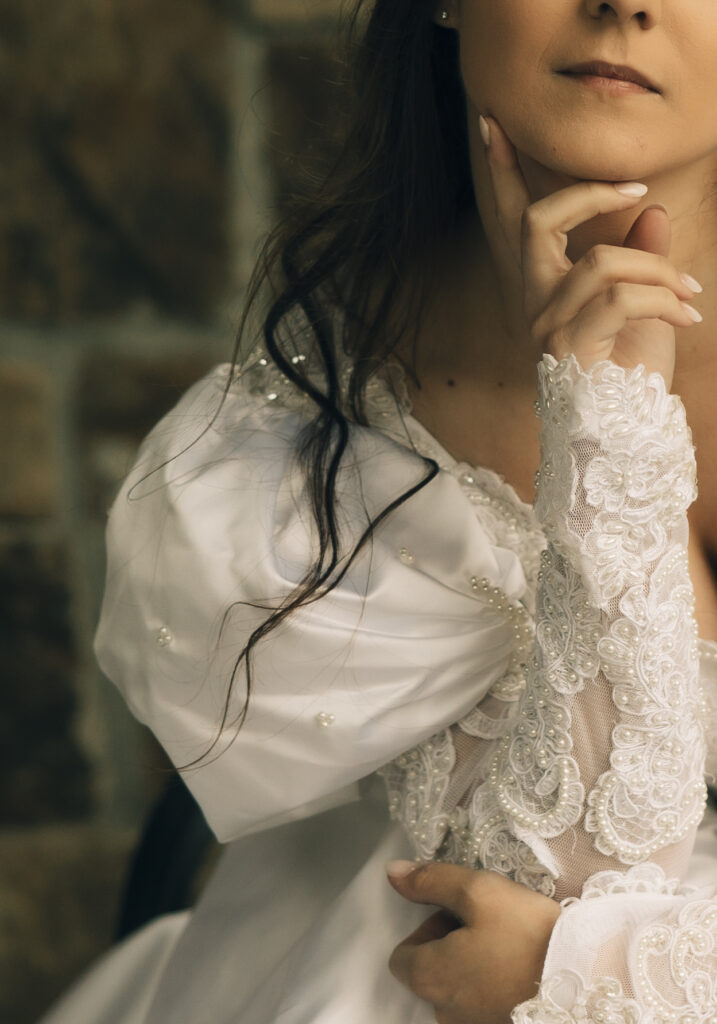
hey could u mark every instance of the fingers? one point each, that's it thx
(420, 966)
(537, 232)
(435, 927)
(449, 886)
(544, 236)
(602, 318)
(585, 309)
(510, 191)
(599, 273)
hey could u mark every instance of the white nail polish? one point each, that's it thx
(632, 188)
(400, 868)
(692, 313)
(691, 283)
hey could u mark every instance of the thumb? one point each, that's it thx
(651, 232)
(449, 886)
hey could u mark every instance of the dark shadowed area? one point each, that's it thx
(147, 147)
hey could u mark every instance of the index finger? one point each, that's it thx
(510, 190)
(536, 232)
(434, 928)
(449, 886)
(418, 959)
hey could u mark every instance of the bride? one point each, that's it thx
(425, 576)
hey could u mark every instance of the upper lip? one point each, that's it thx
(606, 70)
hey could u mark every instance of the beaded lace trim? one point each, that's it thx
(639, 480)
(574, 583)
(675, 954)
(533, 781)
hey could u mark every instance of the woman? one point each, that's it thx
(335, 595)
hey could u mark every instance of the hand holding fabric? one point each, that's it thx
(483, 952)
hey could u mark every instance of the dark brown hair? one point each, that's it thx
(362, 243)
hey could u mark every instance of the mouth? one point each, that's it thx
(618, 72)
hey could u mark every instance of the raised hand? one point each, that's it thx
(617, 302)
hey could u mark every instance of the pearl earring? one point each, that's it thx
(444, 15)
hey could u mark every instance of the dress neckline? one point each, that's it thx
(425, 443)
(389, 408)
(398, 388)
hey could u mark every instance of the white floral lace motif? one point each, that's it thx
(640, 481)
(609, 589)
(673, 965)
(602, 1002)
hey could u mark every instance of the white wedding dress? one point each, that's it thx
(511, 687)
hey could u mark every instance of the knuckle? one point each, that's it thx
(420, 878)
(536, 331)
(393, 963)
(531, 219)
(421, 980)
(596, 258)
(558, 343)
(467, 892)
(615, 293)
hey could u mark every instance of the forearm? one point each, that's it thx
(612, 710)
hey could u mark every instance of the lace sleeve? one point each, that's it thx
(613, 683)
(589, 754)
(590, 763)
(616, 479)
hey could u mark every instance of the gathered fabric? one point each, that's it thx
(511, 687)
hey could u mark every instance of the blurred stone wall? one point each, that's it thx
(147, 145)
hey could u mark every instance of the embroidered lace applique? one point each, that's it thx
(530, 781)
(565, 999)
(647, 878)
(675, 964)
(617, 474)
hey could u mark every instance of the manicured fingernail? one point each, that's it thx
(400, 868)
(692, 313)
(484, 130)
(691, 283)
(632, 188)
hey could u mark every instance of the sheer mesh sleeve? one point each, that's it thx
(585, 765)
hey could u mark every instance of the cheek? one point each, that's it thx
(499, 40)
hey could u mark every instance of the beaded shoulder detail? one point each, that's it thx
(510, 522)
(417, 782)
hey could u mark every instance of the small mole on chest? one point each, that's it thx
(451, 383)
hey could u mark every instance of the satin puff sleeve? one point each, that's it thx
(213, 527)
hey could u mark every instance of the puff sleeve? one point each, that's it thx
(213, 527)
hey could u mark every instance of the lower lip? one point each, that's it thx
(607, 84)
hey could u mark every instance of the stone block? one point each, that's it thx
(120, 398)
(279, 12)
(45, 775)
(59, 898)
(29, 478)
(115, 135)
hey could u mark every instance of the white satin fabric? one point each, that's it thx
(298, 922)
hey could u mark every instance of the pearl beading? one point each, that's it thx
(324, 719)
(164, 637)
(488, 504)
(680, 944)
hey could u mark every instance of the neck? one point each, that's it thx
(693, 215)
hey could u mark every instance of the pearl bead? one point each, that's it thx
(164, 637)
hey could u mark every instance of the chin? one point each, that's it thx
(591, 161)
